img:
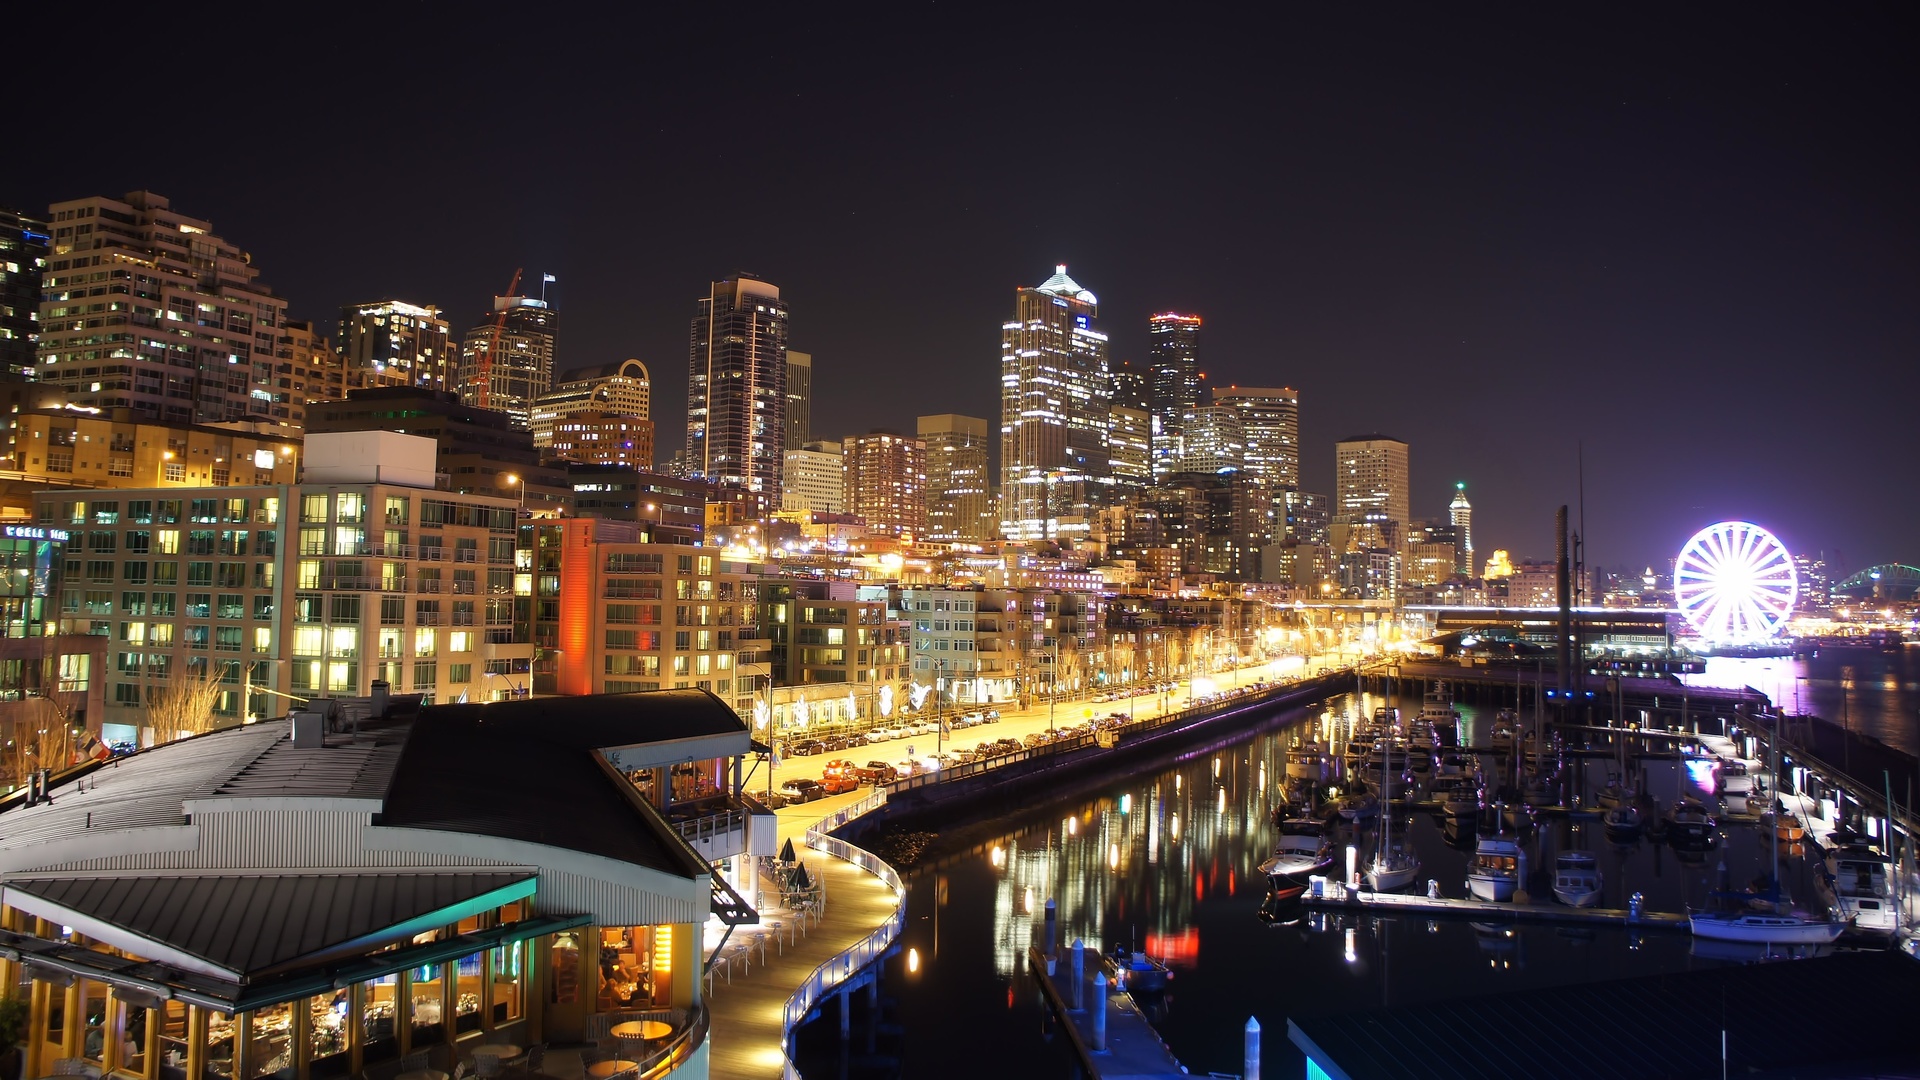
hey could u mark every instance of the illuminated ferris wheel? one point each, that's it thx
(1734, 581)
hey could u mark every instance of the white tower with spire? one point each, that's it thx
(1460, 512)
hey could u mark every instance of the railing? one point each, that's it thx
(863, 952)
(712, 826)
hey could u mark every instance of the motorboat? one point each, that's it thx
(1791, 928)
(1787, 829)
(1498, 867)
(1307, 761)
(1689, 825)
(1576, 878)
(1438, 715)
(1304, 848)
(1622, 823)
(1358, 806)
(1455, 763)
(1734, 778)
(1857, 887)
(1614, 793)
(1386, 720)
(1139, 973)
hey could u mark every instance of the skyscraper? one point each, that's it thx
(200, 333)
(1054, 393)
(508, 374)
(1131, 387)
(394, 343)
(623, 390)
(799, 398)
(1173, 370)
(1270, 420)
(1370, 474)
(310, 372)
(886, 481)
(814, 479)
(23, 259)
(1214, 441)
(1460, 512)
(737, 386)
(959, 504)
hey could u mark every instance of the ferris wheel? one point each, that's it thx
(1735, 581)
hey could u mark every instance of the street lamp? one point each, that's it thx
(514, 479)
(513, 689)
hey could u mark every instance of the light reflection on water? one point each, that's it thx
(1167, 860)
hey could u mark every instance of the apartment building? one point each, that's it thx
(994, 645)
(832, 632)
(63, 448)
(363, 573)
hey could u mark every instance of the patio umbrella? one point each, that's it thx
(800, 878)
(786, 851)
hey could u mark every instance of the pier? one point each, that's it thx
(1102, 1024)
(1343, 898)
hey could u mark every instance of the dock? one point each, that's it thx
(1109, 1037)
(1340, 897)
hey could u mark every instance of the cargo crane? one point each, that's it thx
(483, 373)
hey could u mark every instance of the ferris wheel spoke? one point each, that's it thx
(1735, 581)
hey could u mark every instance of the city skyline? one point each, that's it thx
(1608, 243)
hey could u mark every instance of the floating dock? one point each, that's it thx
(1108, 1035)
(1342, 898)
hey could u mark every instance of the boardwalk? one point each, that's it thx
(747, 1042)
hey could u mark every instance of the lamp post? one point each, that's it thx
(514, 479)
(512, 689)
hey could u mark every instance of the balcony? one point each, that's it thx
(720, 828)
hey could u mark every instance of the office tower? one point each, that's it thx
(1129, 449)
(1173, 372)
(1213, 441)
(959, 504)
(507, 361)
(813, 479)
(200, 332)
(23, 259)
(1307, 517)
(886, 481)
(1054, 392)
(1131, 387)
(1370, 474)
(1270, 422)
(737, 386)
(598, 438)
(799, 398)
(623, 390)
(394, 343)
(1460, 512)
(310, 371)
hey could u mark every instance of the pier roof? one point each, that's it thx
(1659, 1026)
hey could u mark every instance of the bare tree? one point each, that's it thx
(184, 706)
(40, 738)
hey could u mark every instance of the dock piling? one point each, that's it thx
(1079, 980)
(1250, 1070)
(1053, 923)
(1099, 1006)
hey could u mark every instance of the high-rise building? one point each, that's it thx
(1460, 512)
(198, 341)
(959, 502)
(737, 386)
(310, 371)
(479, 450)
(23, 261)
(1307, 517)
(1370, 474)
(799, 397)
(1213, 441)
(1131, 387)
(1173, 367)
(1270, 422)
(394, 343)
(507, 374)
(814, 479)
(1054, 394)
(886, 481)
(623, 390)
(1129, 449)
(598, 438)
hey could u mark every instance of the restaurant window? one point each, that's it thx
(628, 963)
(93, 1008)
(173, 1040)
(470, 984)
(131, 1023)
(269, 1041)
(327, 1032)
(220, 1047)
(507, 974)
(379, 1014)
(423, 985)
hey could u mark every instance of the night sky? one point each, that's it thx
(1687, 240)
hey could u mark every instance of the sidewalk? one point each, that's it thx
(748, 1043)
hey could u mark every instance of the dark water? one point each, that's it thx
(1876, 693)
(1167, 859)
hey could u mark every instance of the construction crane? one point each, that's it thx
(483, 375)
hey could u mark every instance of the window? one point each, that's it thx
(459, 674)
(313, 508)
(423, 641)
(175, 472)
(425, 674)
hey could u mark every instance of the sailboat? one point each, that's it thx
(1391, 868)
(1774, 927)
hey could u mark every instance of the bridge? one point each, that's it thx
(1888, 581)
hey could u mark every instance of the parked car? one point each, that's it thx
(877, 772)
(840, 777)
(803, 789)
(1038, 738)
(805, 747)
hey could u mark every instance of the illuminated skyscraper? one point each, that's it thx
(197, 341)
(959, 502)
(23, 259)
(799, 398)
(886, 481)
(1270, 420)
(1370, 474)
(1131, 387)
(519, 367)
(623, 390)
(394, 343)
(1461, 514)
(737, 386)
(1054, 394)
(813, 479)
(1173, 372)
(1214, 441)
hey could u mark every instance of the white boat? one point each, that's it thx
(1307, 761)
(1773, 929)
(1437, 715)
(1576, 878)
(1623, 822)
(1303, 849)
(1857, 885)
(1498, 867)
(1391, 868)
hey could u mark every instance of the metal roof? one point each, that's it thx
(1660, 1026)
(245, 927)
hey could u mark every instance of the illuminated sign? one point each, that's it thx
(35, 532)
